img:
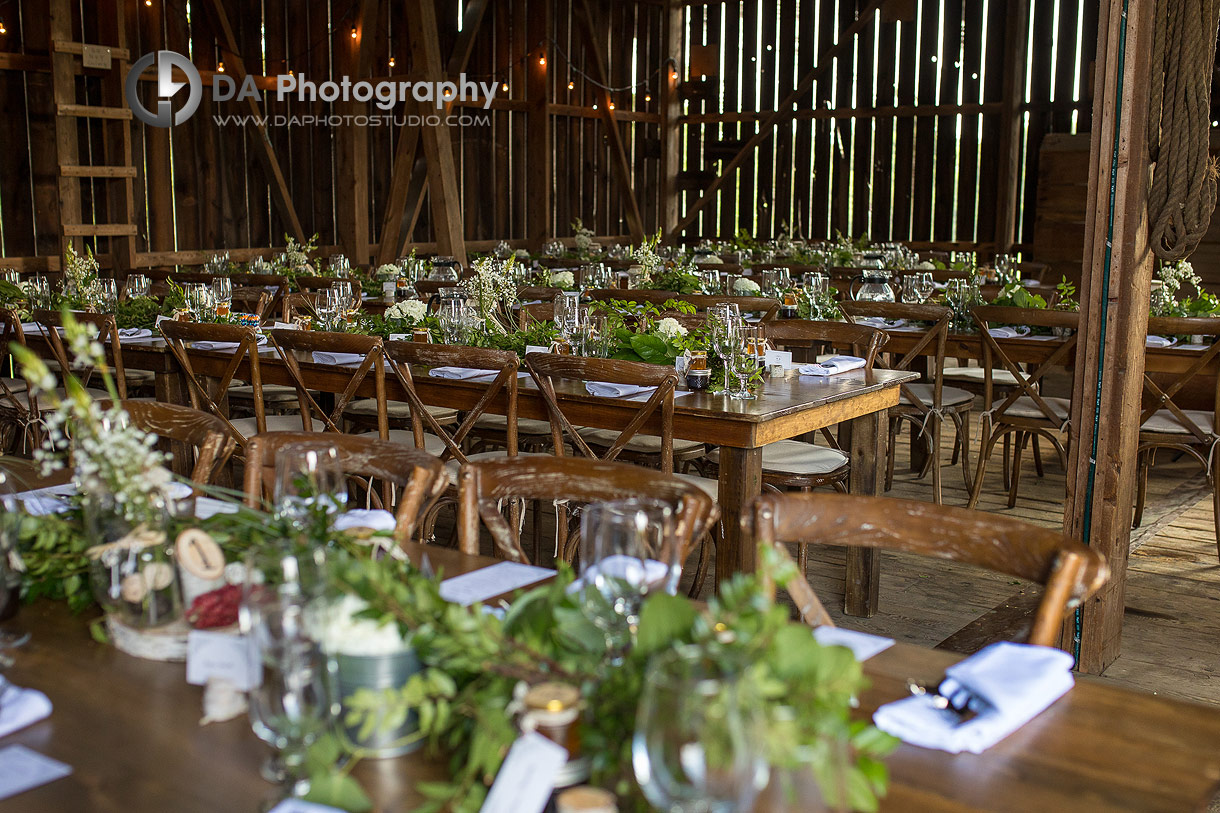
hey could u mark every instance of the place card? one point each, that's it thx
(223, 655)
(779, 357)
(302, 806)
(482, 584)
(22, 769)
(862, 644)
(533, 348)
(527, 776)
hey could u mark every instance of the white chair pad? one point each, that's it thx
(707, 485)
(525, 426)
(949, 396)
(645, 444)
(1000, 378)
(453, 466)
(248, 427)
(1026, 407)
(1165, 422)
(271, 392)
(798, 458)
(367, 407)
(432, 444)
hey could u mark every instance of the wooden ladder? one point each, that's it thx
(70, 59)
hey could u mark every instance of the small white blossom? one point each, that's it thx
(491, 285)
(522, 255)
(669, 329)
(409, 310)
(342, 633)
(745, 286)
(563, 279)
(387, 271)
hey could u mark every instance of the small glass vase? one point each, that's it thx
(132, 566)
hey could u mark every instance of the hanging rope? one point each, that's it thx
(1184, 180)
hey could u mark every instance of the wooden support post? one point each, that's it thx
(63, 66)
(120, 194)
(1114, 301)
(783, 112)
(539, 166)
(605, 105)
(671, 110)
(438, 146)
(1016, 31)
(352, 198)
(266, 155)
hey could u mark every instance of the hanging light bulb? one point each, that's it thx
(542, 61)
(220, 66)
(595, 105)
(504, 87)
(571, 86)
(610, 106)
(3, 30)
(391, 62)
(673, 74)
(148, 3)
(648, 97)
(353, 32)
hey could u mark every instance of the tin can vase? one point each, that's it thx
(378, 673)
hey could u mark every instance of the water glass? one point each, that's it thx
(310, 486)
(627, 551)
(222, 295)
(724, 325)
(38, 291)
(739, 367)
(339, 266)
(108, 294)
(11, 275)
(699, 744)
(451, 317)
(137, 286)
(567, 313)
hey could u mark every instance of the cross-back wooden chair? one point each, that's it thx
(485, 485)
(925, 404)
(768, 307)
(1166, 425)
(17, 410)
(414, 477)
(257, 301)
(1025, 412)
(544, 293)
(107, 331)
(300, 303)
(366, 354)
(1069, 571)
(203, 435)
(209, 393)
(535, 313)
(275, 285)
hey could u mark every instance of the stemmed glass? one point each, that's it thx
(137, 285)
(222, 295)
(38, 291)
(330, 308)
(740, 366)
(627, 551)
(309, 483)
(108, 291)
(724, 328)
(699, 743)
(567, 314)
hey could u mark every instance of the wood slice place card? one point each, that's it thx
(199, 555)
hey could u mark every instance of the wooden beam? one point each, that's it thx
(783, 112)
(671, 127)
(66, 142)
(354, 59)
(266, 155)
(539, 164)
(617, 152)
(1114, 295)
(1009, 152)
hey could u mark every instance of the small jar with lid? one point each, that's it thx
(586, 799)
(421, 335)
(553, 710)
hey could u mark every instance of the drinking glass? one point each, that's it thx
(740, 366)
(38, 291)
(699, 742)
(222, 295)
(137, 285)
(11, 275)
(451, 316)
(816, 283)
(339, 266)
(567, 314)
(310, 486)
(108, 292)
(912, 291)
(332, 303)
(627, 551)
(724, 328)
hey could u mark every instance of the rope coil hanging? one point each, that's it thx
(1183, 192)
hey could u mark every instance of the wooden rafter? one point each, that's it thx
(264, 151)
(619, 155)
(783, 113)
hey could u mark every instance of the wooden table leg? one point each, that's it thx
(862, 439)
(740, 482)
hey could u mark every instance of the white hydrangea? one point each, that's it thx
(342, 633)
(745, 286)
(563, 279)
(522, 255)
(387, 271)
(669, 329)
(710, 259)
(409, 310)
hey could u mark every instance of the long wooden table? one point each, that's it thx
(789, 407)
(129, 728)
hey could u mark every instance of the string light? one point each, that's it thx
(504, 87)
(542, 61)
(148, 3)
(353, 32)
(3, 30)
(391, 62)
(595, 105)
(571, 86)
(610, 106)
(220, 66)
(648, 97)
(673, 74)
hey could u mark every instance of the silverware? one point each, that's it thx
(425, 566)
(961, 710)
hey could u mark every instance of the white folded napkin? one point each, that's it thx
(43, 501)
(20, 707)
(375, 519)
(324, 357)
(463, 373)
(627, 568)
(262, 340)
(862, 644)
(1006, 684)
(206, 507)
(134, 333)
(879, 323)
(606, 389)
(833, 366)
(36, 327)
(1009, 332)
(1160, 341)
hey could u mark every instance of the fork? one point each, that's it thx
(962, 711)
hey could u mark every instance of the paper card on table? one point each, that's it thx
(500, 578)
(302, 806)
(527, 777)
(861, 644)
(533, 348)
(778, 357)
(644, 396)
(22, 769)
(221, 655)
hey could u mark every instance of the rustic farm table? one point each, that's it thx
(129, 729)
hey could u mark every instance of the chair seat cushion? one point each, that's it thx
(275, 423)
(1026, 407)
(707, 485)
(525, 426)
(1165, 422)
(140, 378)
(1000, 378)
(453, 466)
(96, 393)
(14, 385)
(949, 396)
(798, 457)
(399, 410)
(645, 444)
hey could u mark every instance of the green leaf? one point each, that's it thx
(323, 754)
(338, 790)
(663, 620)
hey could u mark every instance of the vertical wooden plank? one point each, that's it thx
(880, 222)
(862, 127)
(946, 130)
(16, 195)
(968, 146)
(804, 176)
(44, 164)
(1009, 148)
(904, 133)
(539, 170)
(923, 180)
(990, 149)
(354, 60)
(864, 438)
(66, 139)
(786, 72)
(184, 181)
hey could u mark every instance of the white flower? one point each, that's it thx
(710, 259)
(669, 329)
(745, 286)
(583, 241)
(522, 254)
(387, 271)
(563, 279)
(410, 310)
(342, 633)
(926, 266)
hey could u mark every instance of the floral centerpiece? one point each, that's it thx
(491, 290)
(82, 279)
(565, 280)
(409, 313)
(1172, 277)
(586, 247)
(646, 257)
(744, 286)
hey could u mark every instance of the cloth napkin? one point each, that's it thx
(628, 568)
(606, 389)
(879, 323)
(463, 373)
(1160, 341)
(1006, 684)
(206, 507)
(20, 707)
(262, 340)
(43, 501)
(832, 366)
(1009, 332)
(35, 327)
(375, 519)
(862, 644)
(324, 357)
(134, 333)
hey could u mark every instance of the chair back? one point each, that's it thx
(208, 393)
(290, 345)
(862, 340)
(1069, 571)
(276, 286)
(502, 388)
(547, 368)
(1028, 384)
(417, 477)
(535, 313)
(1160, 388)
(768, 307)
(546, 293)
(206, 435)
(252, 300)
(107, 329)
(934, 338)
(11, 334)
(484, 485)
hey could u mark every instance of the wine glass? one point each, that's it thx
(222, 295)
(926, 285)
(740, 365)
(137, 286)
(627, 551)
(724, 328)
(38, 291)
(451, 318)
(310, 486)
(108, 295)
(699, 742)
(567, 314)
